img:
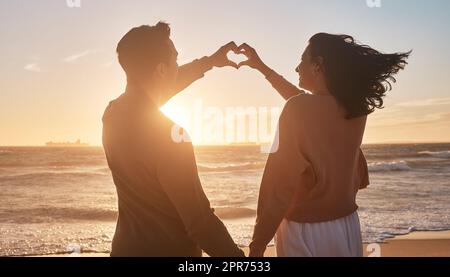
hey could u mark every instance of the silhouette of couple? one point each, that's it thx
(309, 186)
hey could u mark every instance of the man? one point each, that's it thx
(163, 210)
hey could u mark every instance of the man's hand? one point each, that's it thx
(220, 58)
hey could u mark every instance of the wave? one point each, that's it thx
(24, 162)
(43, 215)
(50, 174)
(389, 166)
(69, 252)
(104, 170)
(232, 167)
(437, 154)
(234, 213)
(83, 162)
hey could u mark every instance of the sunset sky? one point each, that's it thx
(59, 70)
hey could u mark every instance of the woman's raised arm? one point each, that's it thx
(283, 86)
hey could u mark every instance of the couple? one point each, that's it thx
(308, 191)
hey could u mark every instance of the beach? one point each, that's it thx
(58, 199)
(415, 244)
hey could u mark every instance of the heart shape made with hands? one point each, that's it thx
(236, 57)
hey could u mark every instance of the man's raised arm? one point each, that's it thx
(191, 72)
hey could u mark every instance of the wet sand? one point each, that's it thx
(416, 244)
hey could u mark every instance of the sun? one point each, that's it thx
(176, 113)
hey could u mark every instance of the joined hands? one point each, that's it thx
(220, 58)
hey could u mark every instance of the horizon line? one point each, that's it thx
(237, 144)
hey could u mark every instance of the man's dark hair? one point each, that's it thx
(143, 48)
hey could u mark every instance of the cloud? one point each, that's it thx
(426, 102)
(414, 114)
(75, 57)
(107, 64)
(33, 67)
(428, 119)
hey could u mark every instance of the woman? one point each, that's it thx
(310, 182)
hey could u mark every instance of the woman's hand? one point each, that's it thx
(256, 253)
(254, 61)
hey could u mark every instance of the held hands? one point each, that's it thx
(256, 253)
(220, 58)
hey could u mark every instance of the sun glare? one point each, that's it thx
(175, 113)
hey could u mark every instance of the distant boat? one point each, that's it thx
(78, 143)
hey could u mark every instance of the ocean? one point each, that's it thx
(60, 200)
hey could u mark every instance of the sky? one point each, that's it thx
(58, 66)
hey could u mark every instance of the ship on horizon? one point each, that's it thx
(77, 143)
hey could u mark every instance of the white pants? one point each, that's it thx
(337, 238)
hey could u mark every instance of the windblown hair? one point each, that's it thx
(358, 76)
(143, 48)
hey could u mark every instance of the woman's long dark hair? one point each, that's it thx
(358, 76)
